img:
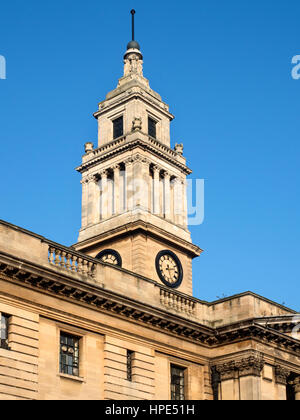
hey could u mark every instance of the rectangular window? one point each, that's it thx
(118, 127)
(69, 354)
(151, 127)
(130, 355)
(177, 383)
(4, 331)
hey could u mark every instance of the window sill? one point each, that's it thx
(74, 378)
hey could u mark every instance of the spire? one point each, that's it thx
(133, 58)
(133, 44)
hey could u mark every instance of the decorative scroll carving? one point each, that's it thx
(156, 169)
(116, 167)
(251, 365)
(281, 374)
(128, 161)
(227, 370)
(84, 180)
(103, 173)
(167, 175)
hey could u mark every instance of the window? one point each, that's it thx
(151, 127)
(4, 331)
(69, 354)
(177, 383)
(118, 127)
(129, 364)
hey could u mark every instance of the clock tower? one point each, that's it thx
(134, 205)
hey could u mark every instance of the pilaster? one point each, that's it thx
(240, 378)
(297, 388)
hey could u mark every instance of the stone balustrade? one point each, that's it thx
(77, 263)
(164, 148)
(105, 148)
(71, 261)
(178, 302)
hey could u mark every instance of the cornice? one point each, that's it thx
(126, 95)
(140, 225)
(64, 287)
(120, 146)
(69, 288)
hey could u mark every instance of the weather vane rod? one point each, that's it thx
(133, 13)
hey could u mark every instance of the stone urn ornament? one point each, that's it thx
(179, 148)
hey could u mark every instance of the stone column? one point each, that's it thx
(297, 388)
(116, 169)
(84, 204)
(184, 203)
(281, 375)
(129, 184)
(96, 202)
(178, 201)
(91, 200)
(141, 182)
(240, 378)
(156, 204)
(104, 198)
(167, 195)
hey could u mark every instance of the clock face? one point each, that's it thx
(169, 268)
(110, 256)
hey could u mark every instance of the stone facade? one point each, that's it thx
(126, 330)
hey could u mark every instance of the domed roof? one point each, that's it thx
(133, 44)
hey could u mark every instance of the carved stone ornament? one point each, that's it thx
(88, 147)
(133, 64)
(140, 158)
(249, 366)
(227, 370)
(92, 178)
(179, 149)
(84, 180)
(281, 374)
(103, 173)
(137, 124)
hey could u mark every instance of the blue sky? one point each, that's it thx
(225, 70)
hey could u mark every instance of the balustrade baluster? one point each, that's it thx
(68, 261)
(93, 271)
(84, 267)
(79, 265)
(73, 262)
(57, 257)
(51, 255)
(63, 262)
